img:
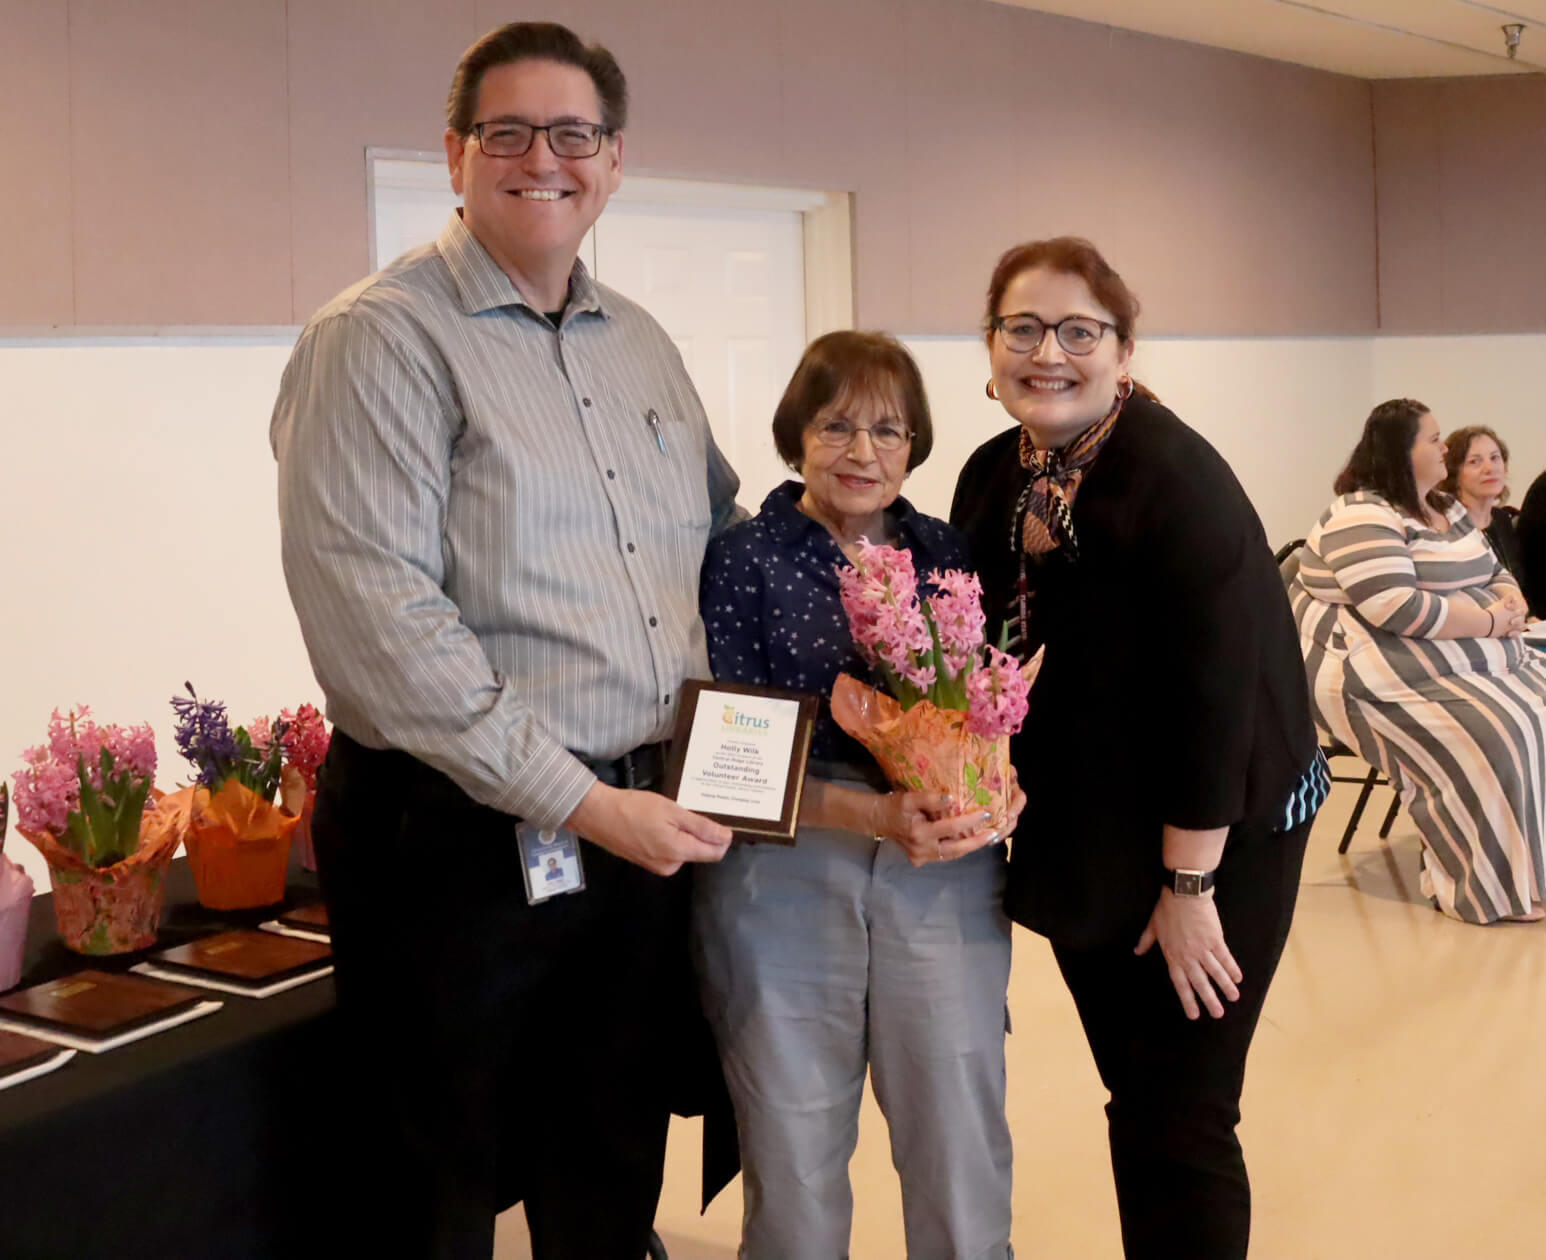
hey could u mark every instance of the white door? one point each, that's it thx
(410, 201)
(728, 285)
(727, 282)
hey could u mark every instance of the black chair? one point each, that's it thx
(1287, 558)
(1333, 748)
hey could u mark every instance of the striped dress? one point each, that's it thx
(1459, 725)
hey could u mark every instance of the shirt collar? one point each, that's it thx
(483, 285)
(787, 524)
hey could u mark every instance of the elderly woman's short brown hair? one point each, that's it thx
(841, 366)
(1457, 446)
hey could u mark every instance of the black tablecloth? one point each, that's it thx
(214, 1140)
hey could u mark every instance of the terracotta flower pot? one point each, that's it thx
(113, 909)
(238, 847)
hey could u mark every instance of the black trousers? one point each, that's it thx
(497, 1051)
(1175, 1083)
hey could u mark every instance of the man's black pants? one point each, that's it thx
(495, 1051)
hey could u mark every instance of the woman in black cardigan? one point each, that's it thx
(1169, 758)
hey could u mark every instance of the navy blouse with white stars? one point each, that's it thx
(769, 598)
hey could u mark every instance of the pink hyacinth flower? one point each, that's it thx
(997, 696)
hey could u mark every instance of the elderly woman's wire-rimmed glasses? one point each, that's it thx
(885, 436)
(506, 138)
(1077, 334)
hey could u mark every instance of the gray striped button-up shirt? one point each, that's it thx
(492, 529)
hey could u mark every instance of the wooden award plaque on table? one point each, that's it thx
(246, 959)
(98, 1006)
(19, 1052)
(312, 918)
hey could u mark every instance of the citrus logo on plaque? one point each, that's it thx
(743, 721)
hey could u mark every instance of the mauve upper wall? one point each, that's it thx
(204, 163)
(1461, 180)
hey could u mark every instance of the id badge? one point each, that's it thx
(550, 861)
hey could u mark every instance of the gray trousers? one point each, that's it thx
(819, 960)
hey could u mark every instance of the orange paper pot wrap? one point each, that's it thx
(302, 838)
(238, 847)
(114, 909)
(926, 748)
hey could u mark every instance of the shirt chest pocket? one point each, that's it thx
(663, 448)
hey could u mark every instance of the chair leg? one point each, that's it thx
(1390, 816)
(1363, 799)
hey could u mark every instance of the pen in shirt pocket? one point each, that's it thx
(652, 418)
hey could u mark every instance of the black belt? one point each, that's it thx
(644, 767)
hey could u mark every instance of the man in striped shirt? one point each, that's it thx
(496, 483)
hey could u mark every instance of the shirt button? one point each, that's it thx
(653, 622)
(665, 699)
(630, 549)
(610, 474)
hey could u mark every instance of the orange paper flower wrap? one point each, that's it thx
(239, 846)
(114, 909)
(926, 748)
(302, 837)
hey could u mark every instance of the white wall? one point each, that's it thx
(141, 547)
(1283, 412)
(1474, 380)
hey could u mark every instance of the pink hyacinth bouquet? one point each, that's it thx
(954, 701)
(86, 799)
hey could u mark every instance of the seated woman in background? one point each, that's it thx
(1476, 464)
(879, 940)
(1410, 632)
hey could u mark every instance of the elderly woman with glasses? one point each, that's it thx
(878, 941)
(1168, 755)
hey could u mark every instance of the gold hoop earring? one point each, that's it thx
(990, 391)
(1124, 388)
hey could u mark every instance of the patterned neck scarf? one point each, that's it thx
(1046, 507)
(1044, 518)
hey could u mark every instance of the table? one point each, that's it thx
(216, 1140)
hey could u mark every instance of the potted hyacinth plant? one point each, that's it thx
(304, 742)
(238, 834)
(954, 700)
(85, 798)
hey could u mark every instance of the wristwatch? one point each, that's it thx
(1186, 883)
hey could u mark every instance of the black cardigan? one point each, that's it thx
(1172, 690)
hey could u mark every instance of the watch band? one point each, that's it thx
(1185, 883)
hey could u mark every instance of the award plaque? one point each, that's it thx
(738, 756)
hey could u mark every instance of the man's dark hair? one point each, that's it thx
(535, 41)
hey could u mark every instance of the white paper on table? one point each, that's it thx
(61, 1038)
(284, 929)
(738, 753)
(226, 986)
(56, 1061)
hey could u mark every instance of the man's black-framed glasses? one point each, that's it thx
(505, 138)
(1077, 334)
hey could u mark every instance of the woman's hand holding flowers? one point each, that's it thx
(928, 830)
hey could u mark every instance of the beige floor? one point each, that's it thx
(1396, 1103)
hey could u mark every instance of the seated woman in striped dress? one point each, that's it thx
(1411, 635)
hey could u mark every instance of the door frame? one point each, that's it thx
(826, 218)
